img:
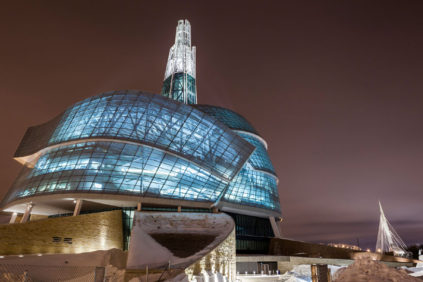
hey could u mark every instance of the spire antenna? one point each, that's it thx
(179, 80)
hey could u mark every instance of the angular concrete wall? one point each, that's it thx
(72, 234)
(190, 243)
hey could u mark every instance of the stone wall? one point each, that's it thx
(72, 234)
(222, 259)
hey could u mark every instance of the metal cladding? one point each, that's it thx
(141, 144)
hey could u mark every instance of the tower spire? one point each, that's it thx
(179, 79)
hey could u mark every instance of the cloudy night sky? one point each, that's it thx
(336, 89)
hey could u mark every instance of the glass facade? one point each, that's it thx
(141, 144)
(180, 86)
(259, 159)
(228, 117)
(155, 121)
(110, 167)
(253, 188)
(252, 233)
(256, 184)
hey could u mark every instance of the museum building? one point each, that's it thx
(130, 150)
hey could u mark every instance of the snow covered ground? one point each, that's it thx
(300, 273)
(363, 269)
(366, 269)
(64, 267)
(114, 262)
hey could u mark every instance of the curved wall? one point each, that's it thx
(257, 184)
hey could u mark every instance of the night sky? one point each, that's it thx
(336, 89)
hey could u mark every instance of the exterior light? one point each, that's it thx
(1, 257)
(21, 256)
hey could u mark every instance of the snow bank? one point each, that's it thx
(64, 267)
(114, 274)
(414, 271)
(420, 264)
(300, 273)
(365, 269)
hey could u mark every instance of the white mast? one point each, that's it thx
(388, 239)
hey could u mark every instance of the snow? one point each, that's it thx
(145, 251)
(114, 274)
(363, 269)
(414, 271)
(420, 264)
(366, 269)
(205, 277)
(300, 273)
(76, 267)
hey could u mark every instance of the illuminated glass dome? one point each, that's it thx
(124, 147)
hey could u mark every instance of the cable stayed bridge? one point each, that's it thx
(388, 240)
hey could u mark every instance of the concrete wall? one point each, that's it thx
(84, 233)
(218, 255)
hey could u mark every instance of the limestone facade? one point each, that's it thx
(71, 234)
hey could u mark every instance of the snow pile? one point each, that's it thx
(182, 277)
(64, 267)
(414, 271)
(114, 274)
(206, 276)
(366, 269)
(179, 278)
(300, 273)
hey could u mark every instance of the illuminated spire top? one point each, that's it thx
(179, 79)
